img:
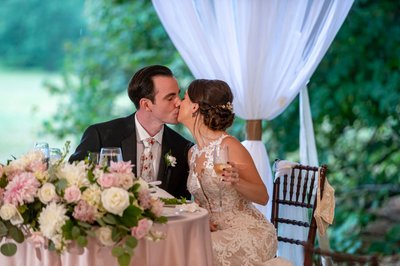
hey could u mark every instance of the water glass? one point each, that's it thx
(93, 157)
(44, 148)
(55, 155)
(110, 154)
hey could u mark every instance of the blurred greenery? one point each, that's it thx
(354, 95)
(35, 32)
(355, 101)
(122, 37)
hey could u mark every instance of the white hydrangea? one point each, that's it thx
(51, 219)
(74, 173)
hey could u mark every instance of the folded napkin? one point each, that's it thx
(189, 207)
(160, 193)
(283, 167)
(325, 210)
(154, 189)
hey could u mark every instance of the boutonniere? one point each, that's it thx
(169, 159)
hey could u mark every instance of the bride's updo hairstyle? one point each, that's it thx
(215, 102)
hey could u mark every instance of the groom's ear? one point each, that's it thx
(145, 104)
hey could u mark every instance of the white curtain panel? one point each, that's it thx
(266, 50)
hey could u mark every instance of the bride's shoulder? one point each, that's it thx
(230, 140)
(234, 144)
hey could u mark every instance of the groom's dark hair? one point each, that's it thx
(141, 84)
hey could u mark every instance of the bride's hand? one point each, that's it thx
(231, 174)
(213, 226)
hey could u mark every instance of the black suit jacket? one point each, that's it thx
(121, 133)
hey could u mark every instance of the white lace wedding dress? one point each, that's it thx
(244, 236)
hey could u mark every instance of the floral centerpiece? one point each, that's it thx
(64, 204)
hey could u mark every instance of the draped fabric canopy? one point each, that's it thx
(266, 50)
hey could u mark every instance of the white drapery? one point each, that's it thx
(266, 50)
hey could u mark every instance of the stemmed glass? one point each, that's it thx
(44, 148)
(55, 155)
(220, 159)
(108, 155)
(94, 158)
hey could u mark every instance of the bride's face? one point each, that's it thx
(186, 109)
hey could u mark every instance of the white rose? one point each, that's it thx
(47, 193)
(104, 234)
(115, 200)
(7, 211)
(143, 184)
(10, 212)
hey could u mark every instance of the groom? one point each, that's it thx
(155, 93)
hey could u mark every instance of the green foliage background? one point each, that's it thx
(354, 95)
(35, 33)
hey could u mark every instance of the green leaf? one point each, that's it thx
(3, 182)
(61, 185)
(101, 222)
(117, 251)
(82, 241)
(91, 233)
(76, 232)
(67, 229)
(8, 249)
(110, 219)
(52, 246)
(131, 242)
(124, 259)
(84, 225)
(16, 234)
(130, 216)
(116, 234)
(3, 229)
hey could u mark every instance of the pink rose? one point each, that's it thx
(144, 198)
(84, 212)
(107, 180)
(121, 167)
(125, 181)
(156, 206)
(72, 194)
(142, 229)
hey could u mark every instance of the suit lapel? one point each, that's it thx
(129, 143)
(163, 174)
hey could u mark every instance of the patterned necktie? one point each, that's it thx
(146, 161)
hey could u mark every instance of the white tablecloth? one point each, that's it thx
(188, 242)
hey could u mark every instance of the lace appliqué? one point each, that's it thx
(244, 236)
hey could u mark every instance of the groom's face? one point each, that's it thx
(166, 101)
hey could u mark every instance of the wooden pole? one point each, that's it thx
(253, 129)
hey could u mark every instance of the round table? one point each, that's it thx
(187, 242)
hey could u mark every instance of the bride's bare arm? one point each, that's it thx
(243, 175)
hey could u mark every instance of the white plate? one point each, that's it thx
(171, 212)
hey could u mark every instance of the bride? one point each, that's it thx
(240, 233)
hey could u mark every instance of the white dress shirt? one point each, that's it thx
(142, 134)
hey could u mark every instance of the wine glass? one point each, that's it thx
(220, 160)
(55, 155)
(94, 158)
(44, 148)
(110, 154)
